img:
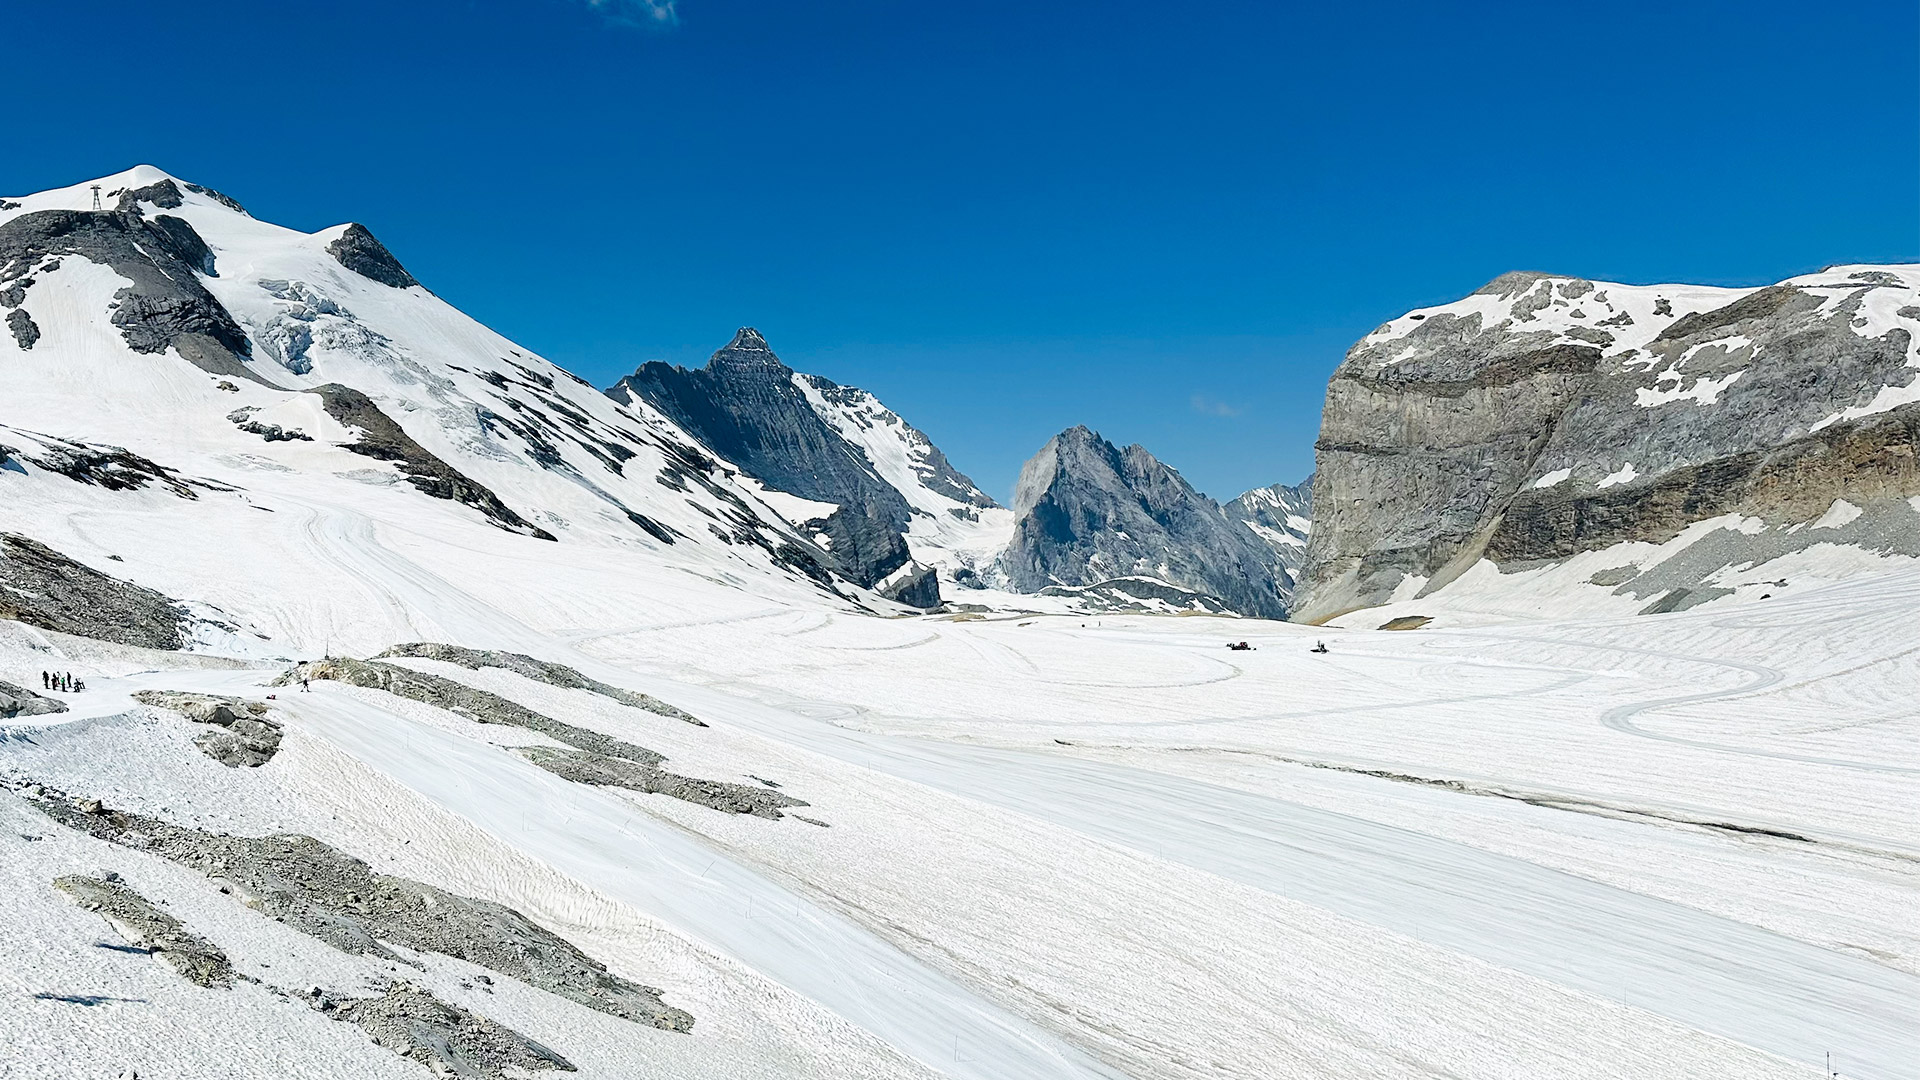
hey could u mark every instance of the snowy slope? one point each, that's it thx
(554, 451)
(1282, 516)
(954, 525)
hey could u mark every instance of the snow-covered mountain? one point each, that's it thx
(874, 491)
(1621, 447)
(172, 350)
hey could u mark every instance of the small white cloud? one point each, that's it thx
(658, 13)
(1209, 406)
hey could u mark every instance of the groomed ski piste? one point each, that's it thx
(1508, 844)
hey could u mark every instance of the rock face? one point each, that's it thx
(19, 701)
(41, 587)
(384, 440)
(360, 252)
(1543, 417)
(1281, 515)
(1086, 512)
(165, 306)
(773, 422)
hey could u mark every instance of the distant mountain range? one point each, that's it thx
(320, 354)
(1631, 447)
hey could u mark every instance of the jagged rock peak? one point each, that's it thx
(748, 351)
(1087, 512)
(359, 251)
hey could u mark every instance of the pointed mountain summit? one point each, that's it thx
(1087, 512)
(748, 351)
(875, 492)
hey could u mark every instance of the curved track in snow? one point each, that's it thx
(1709, 973)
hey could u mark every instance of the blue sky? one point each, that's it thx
(1167, 221)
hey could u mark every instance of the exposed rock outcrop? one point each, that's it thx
(760, 415)
(447, 1039)
(114, 468)
(26, 332)
(243, 419)
(384, 440)
(41, 587)
(330, 895)
(538, 670)
(19, 701)
(1087, 512)
(601, 770)
(145, 926)
(594, 758)
(165, 306)
(357, 250)
(246, 737)
(1543, 417)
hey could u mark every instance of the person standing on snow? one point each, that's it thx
(46, 681)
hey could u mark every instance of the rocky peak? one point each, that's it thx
(1087, 512)
(748, 352)
(359, 251)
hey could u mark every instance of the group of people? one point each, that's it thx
(62, 681)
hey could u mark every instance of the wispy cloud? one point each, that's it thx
(656, 14)
(1211, 406)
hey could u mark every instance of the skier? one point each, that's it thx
(303, 685)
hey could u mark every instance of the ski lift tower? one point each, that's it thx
(96, 196)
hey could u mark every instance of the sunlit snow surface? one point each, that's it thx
(1596, 845)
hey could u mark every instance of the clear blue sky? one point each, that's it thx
(1166, 221)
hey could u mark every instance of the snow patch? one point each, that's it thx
(1625, 474)
(1837, 515)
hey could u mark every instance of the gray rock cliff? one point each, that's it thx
(1280, 515)
(1543, 417)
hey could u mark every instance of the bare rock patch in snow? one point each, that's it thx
(538, 670)
(145, 926)
(447, 1039)
(328, 894)
(245, 736)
